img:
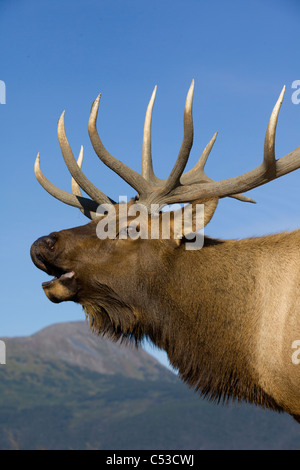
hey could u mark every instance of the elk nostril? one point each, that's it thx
(50, 240)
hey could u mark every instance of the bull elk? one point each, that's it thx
(227, 315)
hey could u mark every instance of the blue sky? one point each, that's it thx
(58, 55)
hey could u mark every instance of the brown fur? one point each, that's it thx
(226, 314)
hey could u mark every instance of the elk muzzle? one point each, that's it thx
(44, 255)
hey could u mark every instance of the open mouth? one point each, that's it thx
(63, 286)
(59, 277)
(58, 273)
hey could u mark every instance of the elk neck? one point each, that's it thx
(202, 309)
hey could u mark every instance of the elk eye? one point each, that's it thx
(129, 232)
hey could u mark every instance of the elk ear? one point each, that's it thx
(193, 217)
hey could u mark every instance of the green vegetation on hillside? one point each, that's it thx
(50, 403)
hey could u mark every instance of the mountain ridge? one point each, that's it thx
(76, 344)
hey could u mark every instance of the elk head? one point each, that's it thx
(115, 277)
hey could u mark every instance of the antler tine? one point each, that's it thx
(205, 154)
(197, 174)
(186, 145)
(147, 167)
(134, 179)
(76, 188)
(80, 202)
(74, 169)
(269, 147)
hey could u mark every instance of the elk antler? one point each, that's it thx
(77, 201)
(195, 185)
(197, 174)
(87, 206)
(179, 187)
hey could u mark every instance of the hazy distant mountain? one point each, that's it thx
(75, 344)
(66, 388)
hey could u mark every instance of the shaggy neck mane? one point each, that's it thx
(207, 340)
(218, 379)
(111, 317)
